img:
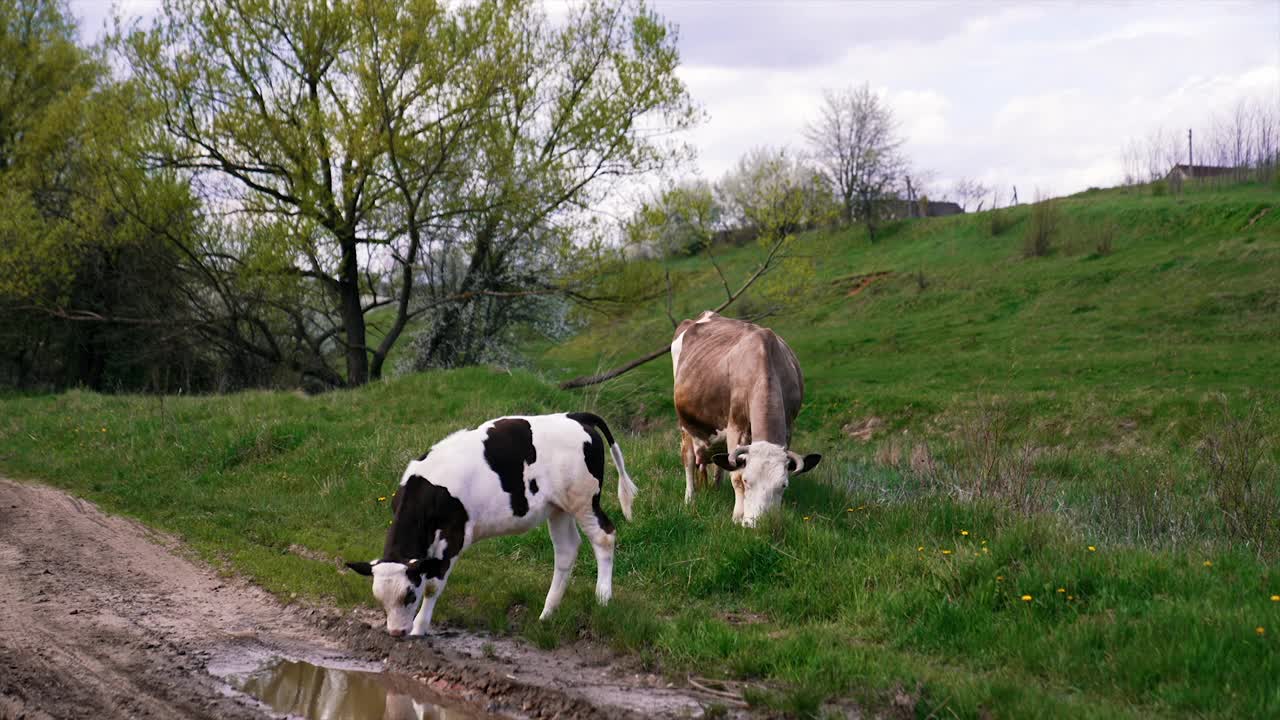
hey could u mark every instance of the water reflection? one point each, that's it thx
(322, 693)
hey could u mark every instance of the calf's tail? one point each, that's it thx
(627, 489)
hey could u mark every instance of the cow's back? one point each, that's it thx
(733, 372)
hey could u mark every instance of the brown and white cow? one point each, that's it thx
(739, 383)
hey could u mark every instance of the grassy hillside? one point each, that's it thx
(1059, 548)
(1186, 303)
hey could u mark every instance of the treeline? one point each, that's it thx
(1241, 144)
(280, 193)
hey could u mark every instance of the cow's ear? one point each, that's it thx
(810, 462)
(722, 459)
(413, 570)
(362, 568)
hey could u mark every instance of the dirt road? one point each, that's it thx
(101, 617)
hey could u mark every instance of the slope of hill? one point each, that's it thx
(1043, 539)
(1185, 302)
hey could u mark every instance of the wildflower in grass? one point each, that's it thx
(806, 518)
(104, 429)
(1026, 598)
(1062, 590)
(1070, 598)
(1275, 598)
(921, 549)
(1093, 549)
(848, 509)
(1208, 563)
(986, 551)
(1260, 630)
(946, 552)
(382, 498)
(999, 578)
(965, 533)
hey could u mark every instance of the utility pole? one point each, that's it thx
(1190, 160)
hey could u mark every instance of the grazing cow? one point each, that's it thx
(505, 477)
(739, 383)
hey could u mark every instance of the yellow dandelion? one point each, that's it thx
(985, 550)
(920, 549)
(1062, 590)
(1260, 630)
(860, 507)
(848, 509)
(382, 498)
(1026, 598)
(964, 532)
(1071, 597)
(1208, 563)
(999, 578)
(806, 518)
(1093, 549)
(1275, 598)
(104, 429)
(984, 542)
(946, 552)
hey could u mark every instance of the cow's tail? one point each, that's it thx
(627, 489)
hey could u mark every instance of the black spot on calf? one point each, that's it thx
(593, 454)
(605, 523)
(422, 509)
(508, 447)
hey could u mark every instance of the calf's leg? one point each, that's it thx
(565, 539)
(600, 533)
(432, 591)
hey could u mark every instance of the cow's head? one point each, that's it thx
(765, 469)
(400, 587)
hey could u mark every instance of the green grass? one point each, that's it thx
(1110, 367)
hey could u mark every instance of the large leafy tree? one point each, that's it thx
(378, 160)
(87, 291)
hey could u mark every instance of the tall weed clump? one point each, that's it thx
(1244, 486)
(1045, 218)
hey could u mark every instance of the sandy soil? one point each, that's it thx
(101, 617)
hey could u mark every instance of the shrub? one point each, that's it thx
(1045, 217)
(1099, 241)
(1000, 220)
(1244, 487)
(1159, 188)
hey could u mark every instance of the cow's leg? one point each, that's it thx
(600, 533)
(433, 590)
(690, 459)
(565, 538)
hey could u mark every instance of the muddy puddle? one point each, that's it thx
(299, 689)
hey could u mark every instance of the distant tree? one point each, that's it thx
(682, 220)
(968, 191)
(404, 158)
(856, 145)
(772, 192)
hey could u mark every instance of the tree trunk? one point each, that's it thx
(353, 324)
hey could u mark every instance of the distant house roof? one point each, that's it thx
(1200, 171)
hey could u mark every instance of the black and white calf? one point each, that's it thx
(505, 477)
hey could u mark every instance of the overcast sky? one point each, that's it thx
(1042, 95)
